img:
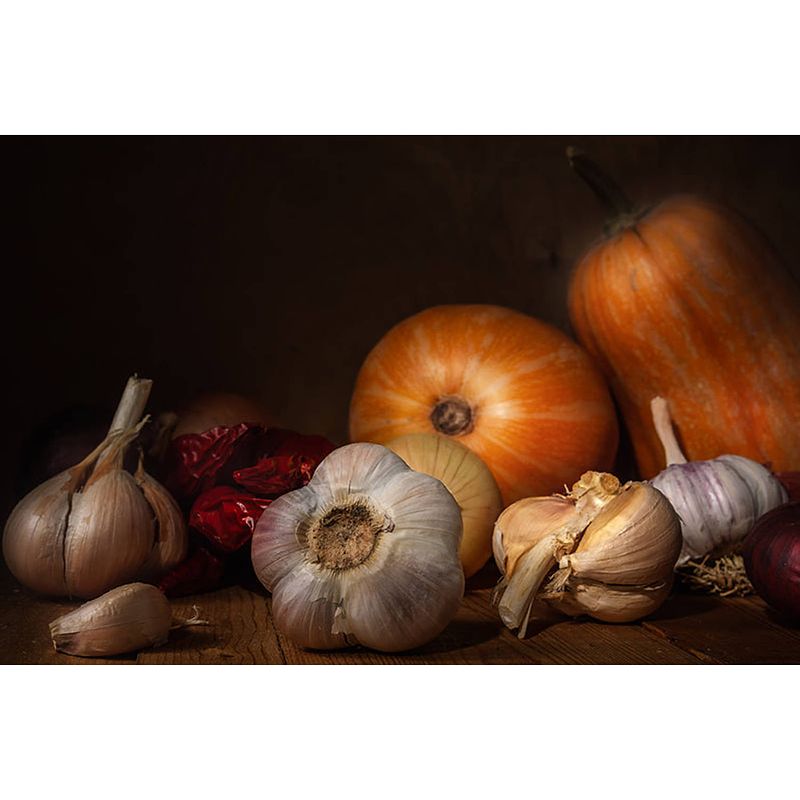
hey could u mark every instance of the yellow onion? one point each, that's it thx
(470, 482)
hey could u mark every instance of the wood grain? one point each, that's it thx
(689, 629)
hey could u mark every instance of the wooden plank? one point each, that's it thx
(568, 641)
(753, 604)
(240, 631)
(688, 629)
(722, 631)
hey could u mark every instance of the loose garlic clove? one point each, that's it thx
(124, 620)
(614, 548)
(366, 553)
(470, 482)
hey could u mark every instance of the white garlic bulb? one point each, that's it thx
(366, 553)
(719, 500)
(96, 526)
(603, 549)
(470, 482)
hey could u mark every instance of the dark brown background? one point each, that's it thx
(272, 265)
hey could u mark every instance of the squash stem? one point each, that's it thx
(607, 190)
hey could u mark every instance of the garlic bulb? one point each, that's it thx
(126, 619)
(96, 526)
(718, 501)
(470, 482)
(366, 553)
(603, 549)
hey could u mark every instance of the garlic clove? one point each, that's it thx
(171, 536)
(608, 603)
(123, 620)
(632, 540)
(524, 523)
(521, 588)
(277, 550)
(304, 606)
(109, 536)
(768, 492)
(405, 598)
(336, 479)
(33, 540)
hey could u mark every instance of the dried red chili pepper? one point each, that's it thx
(226, 517)
(284, 442)
(197, 461)
(200, 571)
(275, 475)
(203, 470)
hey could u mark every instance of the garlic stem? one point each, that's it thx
(662, 420)
(132, 405)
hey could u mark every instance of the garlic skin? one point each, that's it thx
(719, 500)
(366, 553)
(605, 550)
(124, 620)
(96, 526)
(109, 534)
(470, 482)
(172, 538)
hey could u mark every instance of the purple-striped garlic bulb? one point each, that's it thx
(719, 500)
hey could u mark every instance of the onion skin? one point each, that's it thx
(771, 554)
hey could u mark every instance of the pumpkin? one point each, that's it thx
(518, 392)
(689, 302)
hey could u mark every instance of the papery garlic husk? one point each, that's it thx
(126, 619)
(470, 482)
(93, 527)
(719, 500)
(603, 549)
(366, 553)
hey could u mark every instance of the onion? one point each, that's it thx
(772, 558)
(208, 411)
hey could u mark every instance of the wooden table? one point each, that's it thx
(688, 629)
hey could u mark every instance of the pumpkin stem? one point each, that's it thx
(605, 188)
(663, 423)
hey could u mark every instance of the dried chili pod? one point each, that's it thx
(226, 517)
(275, 475)
(197, 461)
(200, 571)
(285, 442)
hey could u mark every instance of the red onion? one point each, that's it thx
(772, 558)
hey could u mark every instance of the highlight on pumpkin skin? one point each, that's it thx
(518, 392)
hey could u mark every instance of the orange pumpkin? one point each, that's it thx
(689, 302)
(517, 391)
